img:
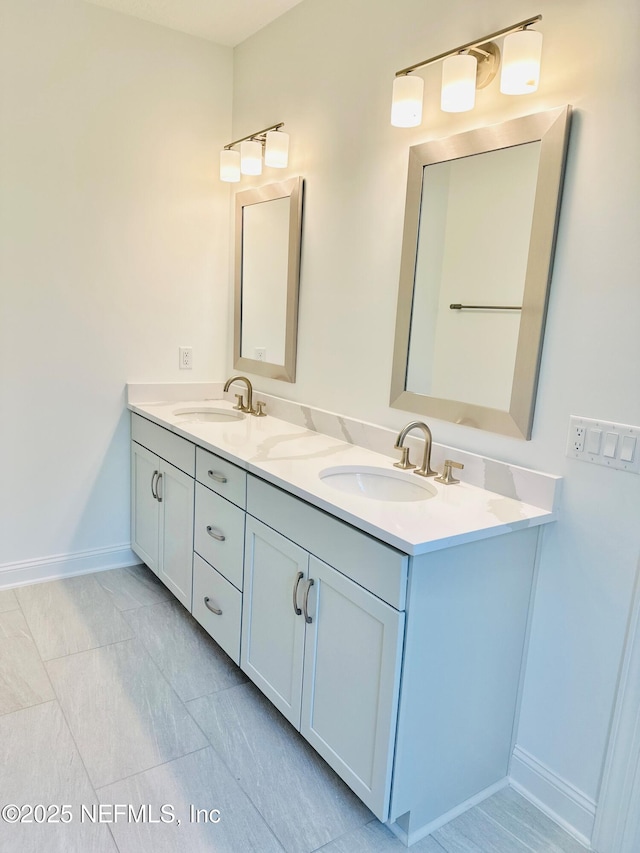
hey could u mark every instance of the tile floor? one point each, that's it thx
(111, 695)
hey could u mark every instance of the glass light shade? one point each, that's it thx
(276, 151)
(229, 165)
(458, 83)
(521, 53)
(406, 105)
(250, 157)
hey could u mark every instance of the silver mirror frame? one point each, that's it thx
(293, 190)
(550, 128)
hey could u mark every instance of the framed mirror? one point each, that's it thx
(479, 233)
(268, 232)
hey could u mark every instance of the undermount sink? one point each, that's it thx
(204, 414)
(377, 484)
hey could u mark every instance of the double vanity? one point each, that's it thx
(384, 614)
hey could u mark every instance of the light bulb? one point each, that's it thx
(250, 157)
(521, 53)
(406, 105)
(229, 165)
(458, 83)
(276, 151)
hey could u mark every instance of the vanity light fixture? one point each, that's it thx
(248, 160)
(469, 67)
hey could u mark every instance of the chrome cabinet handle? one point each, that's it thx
(296, 584)
(217, 476)
(305, 603)
(210, 607)
(219, 536)
(158, 494)
(153, 483)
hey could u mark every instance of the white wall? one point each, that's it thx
(325, 69)
(113, 252)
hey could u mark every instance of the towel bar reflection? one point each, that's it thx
(456, 306)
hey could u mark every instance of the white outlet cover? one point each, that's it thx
(185, 358)
(614, 438)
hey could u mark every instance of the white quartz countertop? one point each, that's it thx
(292, 457)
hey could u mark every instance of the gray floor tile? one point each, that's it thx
(518, 816)
(296, 792)
(13, 625)
(376, 838)
(133, 586)
(23, 679)
(40, 764)
(191, 661)
(272, 790)
(8, 600)
(123, 714)
(474, 832)
(200, 780)
(71, 615)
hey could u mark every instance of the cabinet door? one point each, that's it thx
(144, 506)
(353, 650)
(175, 499)
(272, 633)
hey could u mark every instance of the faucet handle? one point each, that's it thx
(260, 412)
(447, 478)
(405, 462)
(240, 403)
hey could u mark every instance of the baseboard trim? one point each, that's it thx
(65, 565)
(567, 806)
(409, 838)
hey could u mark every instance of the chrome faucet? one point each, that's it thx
(240, 405)
(405, 463)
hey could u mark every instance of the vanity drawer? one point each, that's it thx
(210, 588)
(219, 533)
(223, 477)
(374, 565)
(176, 450)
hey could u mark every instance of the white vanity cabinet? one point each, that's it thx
(162, 469)
(325, 650)
(403, 672)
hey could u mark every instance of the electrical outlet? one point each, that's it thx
(576, 437)
(604, 443)
(260, 353)
(185, 355)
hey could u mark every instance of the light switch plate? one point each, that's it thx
(604, 443)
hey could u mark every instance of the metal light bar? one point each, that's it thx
(470, 45)
(259, 135)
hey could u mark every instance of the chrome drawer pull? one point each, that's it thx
(210, 607)
(296, 584)
(305, 603)
(217, 476)
(219, 536)
(153, 484)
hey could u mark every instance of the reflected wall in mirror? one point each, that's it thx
(480, 224)
(268, 228)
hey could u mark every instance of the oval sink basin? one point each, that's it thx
(378, 484)
(205, 414)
